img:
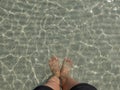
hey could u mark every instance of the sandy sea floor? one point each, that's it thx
(87, 31)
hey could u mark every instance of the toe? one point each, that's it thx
(54, 57)
(65, 60)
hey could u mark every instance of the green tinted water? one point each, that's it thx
(87, 31)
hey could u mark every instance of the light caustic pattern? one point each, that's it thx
(87, 31)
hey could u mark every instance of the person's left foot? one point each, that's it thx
(54, 66)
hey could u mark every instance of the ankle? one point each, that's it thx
(63, 80)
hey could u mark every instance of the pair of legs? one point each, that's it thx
(60, 75)
(62, 79)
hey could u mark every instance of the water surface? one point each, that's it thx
(87, 31)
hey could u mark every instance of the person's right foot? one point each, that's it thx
(66, 67)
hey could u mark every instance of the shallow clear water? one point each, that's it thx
(87, 31)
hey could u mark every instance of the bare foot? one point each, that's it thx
(66, 81)
(66, 67)
(54, 66)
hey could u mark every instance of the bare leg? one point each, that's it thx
(66, 80)
(54, 81)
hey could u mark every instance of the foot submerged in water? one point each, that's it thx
(54, 66)
(66, 67)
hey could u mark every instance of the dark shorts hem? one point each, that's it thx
(43, 88)
(83, 86)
